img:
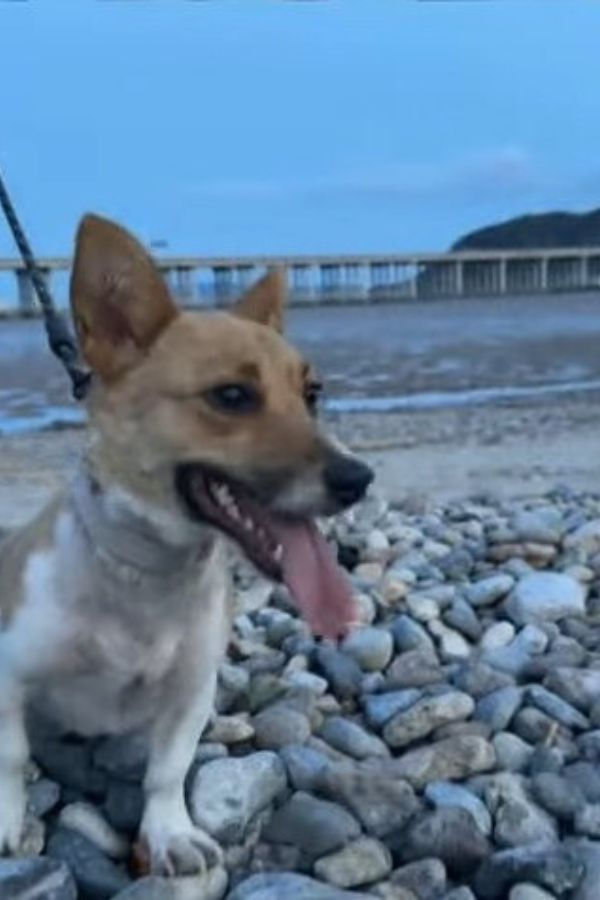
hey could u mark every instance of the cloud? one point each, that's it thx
(487, 173)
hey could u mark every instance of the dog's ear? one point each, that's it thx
(264, 301)
(119, 300)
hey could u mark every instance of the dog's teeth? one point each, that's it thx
(278, 553)
(248, 524)
(222, 493)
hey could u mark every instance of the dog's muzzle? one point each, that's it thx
(347, 479)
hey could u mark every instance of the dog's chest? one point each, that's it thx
(114, 680)
(112, 653)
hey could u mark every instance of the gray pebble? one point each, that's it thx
(315, 826)
(36, 879)
(97, 877)
(226, 794)
(371, 648)
(426, 878)
(352, 739)
(445, 793)
(277, 885)
(360, 862)
(499, 707)
(279, 725)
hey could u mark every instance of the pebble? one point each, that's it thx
(550, 866)
(499, 707)
(586, 853)
(230, 730)
(587, 820)
(420, 719)
(512, 752)
(585, 539)
(422, 608)
(497, 635)
(36, 879)
(352, 739)
(557, 708)
(315, 826)
(516, 656)
(452, 645)
(426, 878)
(371, 648)
(42, 796)
(380, 708)
(489, 590)
(360, 862)
(305, 766)
(445, 793)
(279, 725)
(96, 876)
(581, 687)
(450, 759)
(524, 891)
(410, 635)
(341, 671)
(518, 820)
(276, 885)
(557, 795)
(479, 679)
(210, 885)
(463, 618)
(381, 801)
(415, 668)
(545, 597)
(450, 834)
(226, 794)
(123, 805)
(86, 820)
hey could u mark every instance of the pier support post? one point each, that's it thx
(222, 283)
(459, 277)
(544, 273)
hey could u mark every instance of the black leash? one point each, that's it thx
(61, 341)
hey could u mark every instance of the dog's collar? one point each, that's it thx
(129, 547)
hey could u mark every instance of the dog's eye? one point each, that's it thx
(312, 394)
(234, 398)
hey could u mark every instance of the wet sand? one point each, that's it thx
(420, 458)
(439, 359)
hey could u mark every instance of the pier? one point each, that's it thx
(215, 281)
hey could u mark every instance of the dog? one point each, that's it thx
(115, 602)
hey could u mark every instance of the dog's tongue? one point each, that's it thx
(314, 579)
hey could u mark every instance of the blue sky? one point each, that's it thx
(240, 126)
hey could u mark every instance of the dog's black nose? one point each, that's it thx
(347, 479)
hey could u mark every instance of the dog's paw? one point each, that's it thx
(189, 851)
(12, 815)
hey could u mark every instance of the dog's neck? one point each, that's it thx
(127, 541)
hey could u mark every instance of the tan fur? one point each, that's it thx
(115, 601)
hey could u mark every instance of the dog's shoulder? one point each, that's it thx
(18, 548)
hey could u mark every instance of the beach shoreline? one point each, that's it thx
(421, 458)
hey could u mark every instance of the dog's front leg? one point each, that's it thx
(175, 846)
(14, 751)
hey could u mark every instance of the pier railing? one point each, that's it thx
(209, 281)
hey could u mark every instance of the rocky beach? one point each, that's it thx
(448, 749)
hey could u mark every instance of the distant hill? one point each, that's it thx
(555, 229)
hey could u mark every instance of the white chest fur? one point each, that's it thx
(99, 652)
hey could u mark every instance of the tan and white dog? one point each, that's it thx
(114, 602)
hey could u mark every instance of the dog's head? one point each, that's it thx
(210, 417)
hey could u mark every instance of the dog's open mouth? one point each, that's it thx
(286, 549)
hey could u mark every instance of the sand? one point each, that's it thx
(420, 458)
